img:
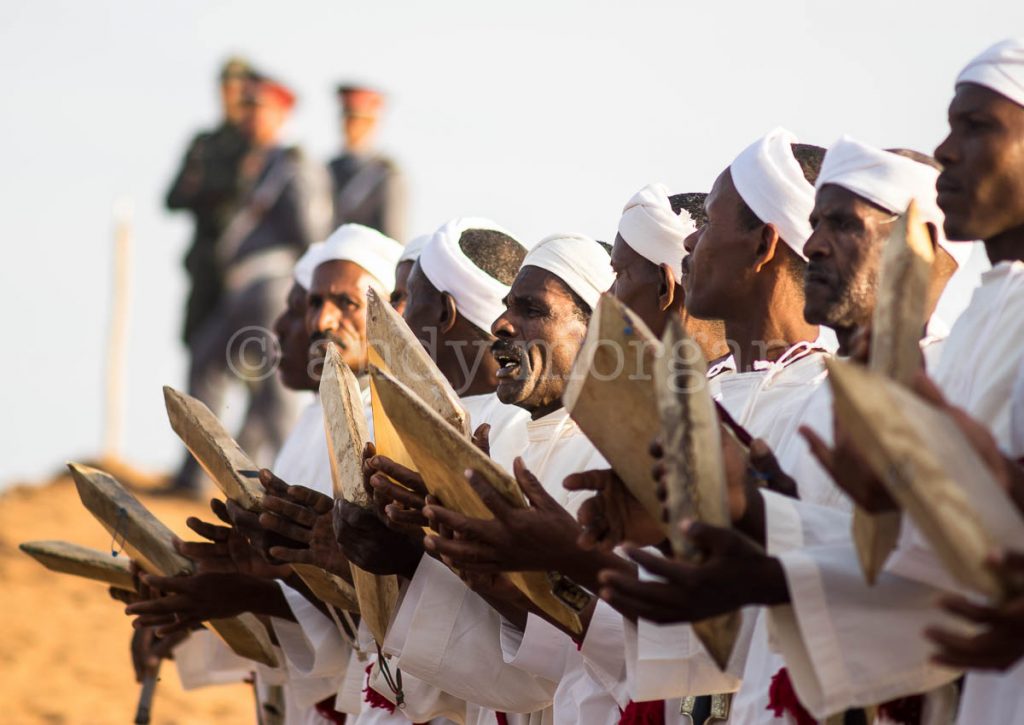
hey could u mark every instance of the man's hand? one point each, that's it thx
(398, 495)
(226, 550)
(613, 515)
(148, 649)
(189, 601)
(733, 572)
(537, 538)
(1000, 643)
(849, 469)
(301, 516)
(370, 544)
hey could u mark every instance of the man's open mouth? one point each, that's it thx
(508, 359)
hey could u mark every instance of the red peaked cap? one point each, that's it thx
(275, 92)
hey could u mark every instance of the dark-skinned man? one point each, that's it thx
(858, 189)
(237, 578)
(980, 192)
(539, 335)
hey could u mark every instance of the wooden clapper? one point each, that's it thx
(901, 312)
(442, 453)
(694, 470)
(237, 477)
(929, 467)
(346, 431)
(64, 557)
(611, 396)
(149, 543)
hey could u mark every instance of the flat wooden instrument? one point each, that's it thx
(610, 395)
(150, 544)
(901, 312)
(67, 558)
(442, 454)
(346, 430)
(694, 469)
(933, 472)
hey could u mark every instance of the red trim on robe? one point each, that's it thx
(650, 712)
(782, 699)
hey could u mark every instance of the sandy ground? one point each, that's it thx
(64, 642)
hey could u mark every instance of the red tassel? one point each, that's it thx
(904, 711)
(375, 698)
(650, 712)
(325, 709)
(782, 699)
(501, 717)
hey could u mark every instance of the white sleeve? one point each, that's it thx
(604, 651)
(847, 644)
(423, 701)
(794, 524)
(452, 641)
(312, 644)
(203, 660)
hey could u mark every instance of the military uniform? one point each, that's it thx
(368, 190)
(207, 185)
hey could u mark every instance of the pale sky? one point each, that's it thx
(545, 116)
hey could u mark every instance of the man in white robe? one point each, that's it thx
(980, 193)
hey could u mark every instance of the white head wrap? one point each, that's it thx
(411, 251)
(889, 180)
(577, 260)
(368, 248)
(1000, 68)
(310, 259)
(771, 182)
(477, 294)
(655, 232)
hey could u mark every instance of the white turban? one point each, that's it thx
(411, 251)
(889, 180)
(368, 248)
(577, 260)
(771, 182)
(309, 261)
(478, 295)
(1000, 68)
(652, 230)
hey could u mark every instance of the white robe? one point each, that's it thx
(849, 644)
(448, 635)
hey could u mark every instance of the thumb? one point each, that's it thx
(712, 541)
(530, 486)
(482, 438)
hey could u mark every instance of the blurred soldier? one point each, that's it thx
(368, 187)
(284, 206)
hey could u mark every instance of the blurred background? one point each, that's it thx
(545, 116)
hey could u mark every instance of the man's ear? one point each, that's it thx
(666, 286)
(449, 313)
(767, 246)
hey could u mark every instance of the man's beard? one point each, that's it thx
(854, 302)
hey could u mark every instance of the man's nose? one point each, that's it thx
(503, 327)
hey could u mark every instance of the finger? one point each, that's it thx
(164, 605)
(404, 517)
(314, 500)
(712, 540)
(163, 646)
(395, 492)
(440, 516)
(208, 531)
(530, 486)
(674, 571)
(201, 549)
(185, 624)
(926, 388)
(819, 449)
(494, 501)
(274, 523)
(292, 556)
(220, 510)
(405, 476)
(292, 512)
(149, 621)
(593, 480)
(963, 607)
(176, 584)
(482, 438)
(464, 552)
(272, 483)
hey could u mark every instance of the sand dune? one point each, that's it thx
(64, 641)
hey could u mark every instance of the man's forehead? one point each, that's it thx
(975, 98)
(722, 189)
(832, 198)
(540, 284)
(623, 255)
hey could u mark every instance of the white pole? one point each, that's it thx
(114, 420)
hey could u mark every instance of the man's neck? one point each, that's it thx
(1006, 247)
(777, 323)
(543, 410)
